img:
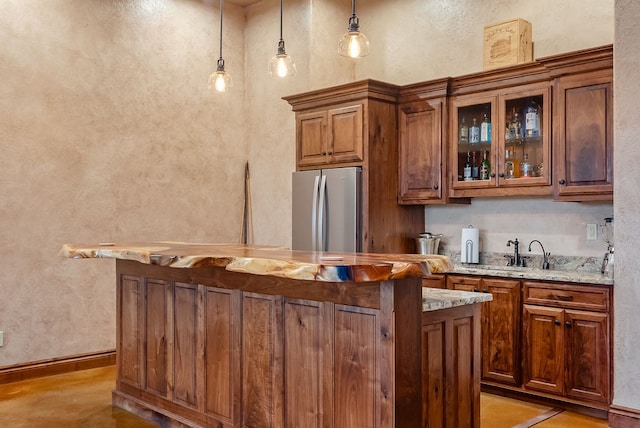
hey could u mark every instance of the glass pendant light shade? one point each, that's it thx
(220, 80)
(353, 43)
(281, 65)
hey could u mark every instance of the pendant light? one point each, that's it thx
(220, 80)
(281, 65)
(353, 43)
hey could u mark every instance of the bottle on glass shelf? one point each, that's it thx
(525, 167)
(474, 132)
(466, 172)
(515, 127)
(464, 132)
(475, 168)
(532, 120)
(485, 129)
(511, 165)
(485, 167)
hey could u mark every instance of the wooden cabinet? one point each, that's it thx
(451, 385)
(500, 326)
(422, 118)
(516, 143)
(584, 136)
(356, 125)
(435, 280)
(567, 346)
(330, 136)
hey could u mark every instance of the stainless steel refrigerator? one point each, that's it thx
(327, 210)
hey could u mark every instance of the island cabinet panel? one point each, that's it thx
(222, 356)
(356, 372)
(130, 300)
(262, 379)
(158, 336)
(307, 348)
(186, 352)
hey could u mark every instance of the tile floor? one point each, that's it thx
(83, 399)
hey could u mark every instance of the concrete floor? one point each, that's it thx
(83, 399)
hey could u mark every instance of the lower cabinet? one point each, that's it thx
(500, 326)
(545, 338)
(566, 333)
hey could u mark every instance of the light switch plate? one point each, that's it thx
(592, 232)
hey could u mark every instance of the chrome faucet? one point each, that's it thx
(514, 260)
(545, 255)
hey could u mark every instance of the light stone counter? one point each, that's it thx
(578, 277)
(434, 299)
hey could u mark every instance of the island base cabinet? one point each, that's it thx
(451, 367)
(232, 354)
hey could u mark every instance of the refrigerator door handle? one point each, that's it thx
(314, 214)
(321, 209)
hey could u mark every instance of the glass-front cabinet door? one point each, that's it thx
(501, 142)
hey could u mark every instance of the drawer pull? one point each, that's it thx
(557, 322)
(563, 297)
(568, 324)
(475, 290)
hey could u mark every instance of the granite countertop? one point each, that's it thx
(572, 276)
(263, 260)
(434, 299)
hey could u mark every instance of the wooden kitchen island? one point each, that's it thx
(237, 336)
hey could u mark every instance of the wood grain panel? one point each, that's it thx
(262, 361)
(185, 348)
(462, 374)
(222, 361)
(434, 357)
(345, 133)
(305, 360)
(129, 351)
(157, 336)
(355, 368)
(588, 358)
(544, 349)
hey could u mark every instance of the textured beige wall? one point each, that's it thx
(110, 133)
(107, 133)
(627, 200)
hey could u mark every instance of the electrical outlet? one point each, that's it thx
(592, 232)
(1, 338)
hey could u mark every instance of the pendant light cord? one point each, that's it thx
(221, 9)
(280, 19)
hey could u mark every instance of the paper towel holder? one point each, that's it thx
(470, 249)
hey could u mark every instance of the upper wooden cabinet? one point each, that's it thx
(422, 118)
(330, 136)
(500, 141)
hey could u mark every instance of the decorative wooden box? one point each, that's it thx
(507, 43)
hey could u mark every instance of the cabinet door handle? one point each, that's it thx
(568, 324)
(493, 175)
(562, 181)
(330, 153)
(557, 322)
(501, 175)
(475, 290)
(485, 290)
(435, 187)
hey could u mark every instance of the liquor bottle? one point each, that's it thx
(464, 132)
(508, 164)
(515, 162)
(532, 120)
(467, 168)
(515, 127)
(485, 129)
(525, 167)
(475, 168)
(474, 132)
(485, 167)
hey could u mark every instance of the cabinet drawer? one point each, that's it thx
(593, 298)
(434, 281)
